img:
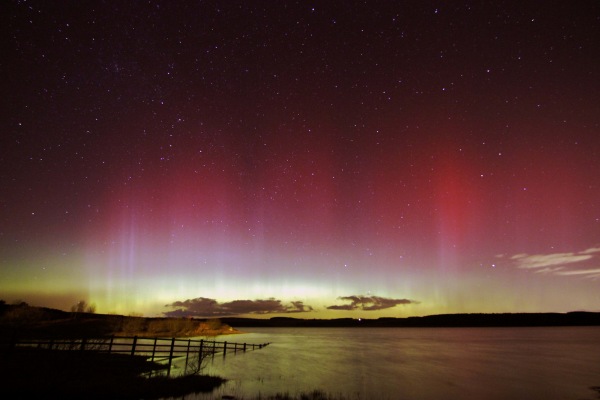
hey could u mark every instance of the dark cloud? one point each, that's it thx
(298, 306)
(343, 307)
(369, 303)
(204, 307)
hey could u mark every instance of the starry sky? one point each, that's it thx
(315, 159)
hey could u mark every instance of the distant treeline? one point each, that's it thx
(103, 324)
(443, 320)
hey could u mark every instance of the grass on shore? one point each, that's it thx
(32, 372)
(314, 395)
(68, 374)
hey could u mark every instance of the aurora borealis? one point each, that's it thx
(314, 159)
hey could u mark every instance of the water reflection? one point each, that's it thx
(415, 363)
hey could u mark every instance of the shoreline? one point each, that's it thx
(33, 372)
(71, 375)
(43, 373)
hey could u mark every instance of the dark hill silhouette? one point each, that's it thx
(577, 318)
(25, 320)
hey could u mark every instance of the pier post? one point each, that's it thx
(171, 356)
(154, 349)
(133, 345)
(187, 355)
(110, 344)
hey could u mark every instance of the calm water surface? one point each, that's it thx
(414, 363)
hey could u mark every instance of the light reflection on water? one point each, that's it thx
(413, 363)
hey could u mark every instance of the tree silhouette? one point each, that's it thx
(82, 306)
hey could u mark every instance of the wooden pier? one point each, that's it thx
(162, 350)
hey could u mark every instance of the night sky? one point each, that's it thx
(316, 159)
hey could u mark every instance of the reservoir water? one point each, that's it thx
(413, 363)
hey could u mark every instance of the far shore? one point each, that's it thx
(27, 321)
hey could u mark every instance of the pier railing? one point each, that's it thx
(162, 350)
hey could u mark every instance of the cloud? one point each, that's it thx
(547, 260)
(591, 250)
(369, 303)
(298, 306)
(548, 270)
(204, 307)
(561, 264)
(594, 272)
